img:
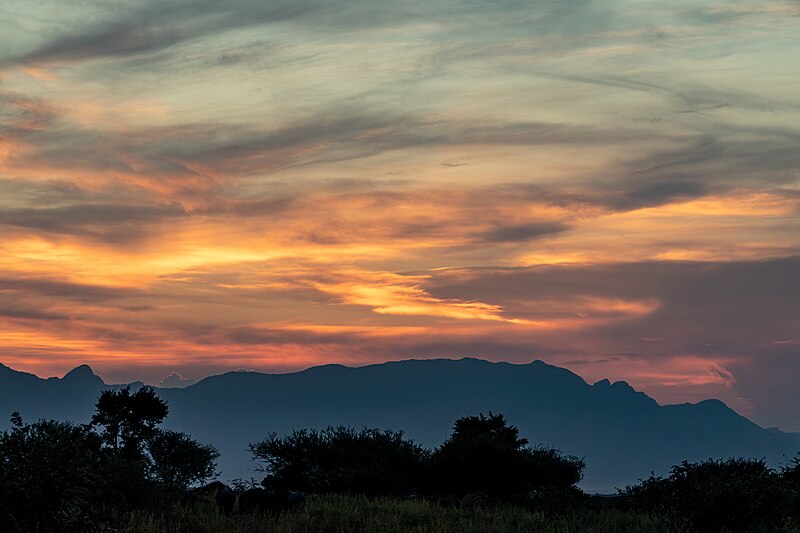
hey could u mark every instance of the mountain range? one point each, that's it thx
(624, 435)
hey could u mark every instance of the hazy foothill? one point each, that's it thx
(123, 466)
(623, 434)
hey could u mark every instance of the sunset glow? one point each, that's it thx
(613, 187)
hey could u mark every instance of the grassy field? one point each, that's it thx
(341, 514)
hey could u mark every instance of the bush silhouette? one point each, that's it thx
(177, 461)
(342, 460)
(485, 453)
(49, 472)
(790, 485)
(716, 495)
(58, 476)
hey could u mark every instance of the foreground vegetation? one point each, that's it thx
(123, 473)
(346, 514)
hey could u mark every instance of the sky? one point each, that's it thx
(194, 186)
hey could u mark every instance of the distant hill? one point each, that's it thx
(622, 433)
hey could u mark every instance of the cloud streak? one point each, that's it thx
(199, 186)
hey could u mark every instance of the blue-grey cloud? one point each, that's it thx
(521, 232)
(113, 223)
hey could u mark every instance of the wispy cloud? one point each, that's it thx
(195, 186)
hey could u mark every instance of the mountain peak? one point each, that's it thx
(623, 434)
(713, 404)
(622, 385)
(81, 373)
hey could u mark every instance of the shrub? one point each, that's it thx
(177, 461)
(48, 474)
(342, 460)
(716, 495)
(485, 453)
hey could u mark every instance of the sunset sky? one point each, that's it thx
(612, 186)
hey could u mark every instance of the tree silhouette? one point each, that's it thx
(142, 452)
(129, 419)
(177, 461)
(48, 475)
(485, 453)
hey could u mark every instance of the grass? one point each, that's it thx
(345, 514)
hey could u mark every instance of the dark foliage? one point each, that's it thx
(177, 461)
(129, 419)
(57, 476)
(716, 495)
(790, 485)
(486, 454)
(342, 460)
(49, 475)
(790, 472)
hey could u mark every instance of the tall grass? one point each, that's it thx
(345, 514)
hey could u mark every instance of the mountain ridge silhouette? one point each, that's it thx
(622, 433)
